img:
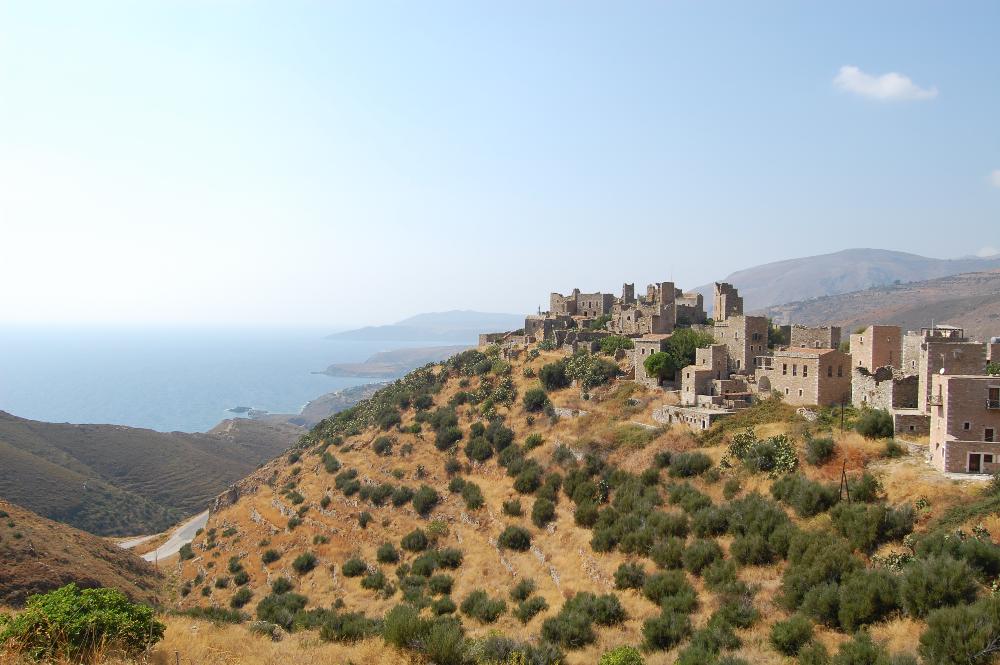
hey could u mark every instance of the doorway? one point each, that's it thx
(975, 463)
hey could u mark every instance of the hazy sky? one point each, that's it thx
(319, 163)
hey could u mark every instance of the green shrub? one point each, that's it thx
(374, 580)
(415, 541)
(532, 441)
(710, 521)
(814, 558)
(522, 590)
(774, 456)
(281, 585)
(515, 538)
(820, 451)
(814, 653)
(589, 370)
(353, 567)
(981, 554)
(807, 497)
(382, 446)
(542, 512)
(662, 586)
(867, 526)
(527, 609)
(478, 605)
(892, 450)
(440, 584)
(668, 553)
(730, 489)
(240, 598)
(386, 553)
(442, 606)
(403, 627)
(938, 581)
(688, 498)
(866, 488)
(630, 576)
(867, 596)
(424, 500)
(622, 655)
(789, 636)
(304, 562)
(666, 630)
(962, 635)
(512, 508)
(80, 624)
(186, 552)
(330, 463)
(473, 496)
(822, 603)
(528, 480)
(449, 557)
(686, 465)
(553, 375)
(570, 630)
(535, 400)
(861, 650)
(478, 449)
(875, 424)
(447, 437)
(348, 627)
(281, 609)
(700, 554)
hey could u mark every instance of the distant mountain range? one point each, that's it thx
(841, 272)
(453, 327)
(116, 480)
(970, 301)
(394, 364)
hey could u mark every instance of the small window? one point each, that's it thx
(805, 371)
(988, 435)
(988, 459)
(829, 370)
(840, 370)
(786, 391)
(784, 368)
(800, 392)
(795, 369)
(966, 426)
(912, 428)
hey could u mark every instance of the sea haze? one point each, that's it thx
(168, 380)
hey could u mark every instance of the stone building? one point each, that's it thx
(993, 350)
(690, 308)
(727, 302)
(878, 346)
(814, 337)
(745, 338)
(646, 346)
(965, 423)
(940, 350)
(711, 365)
(654, 314)
(544, 326)
(885, 388)
(590, 305)
(806, 376)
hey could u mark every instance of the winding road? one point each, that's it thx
(181, 536)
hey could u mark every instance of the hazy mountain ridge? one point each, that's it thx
(451, 326)
(970, 300)
(846, 271)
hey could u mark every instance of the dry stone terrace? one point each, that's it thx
(877, 367)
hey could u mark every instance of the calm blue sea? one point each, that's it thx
(167, 379)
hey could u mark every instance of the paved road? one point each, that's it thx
(135, 542)
(181, 536)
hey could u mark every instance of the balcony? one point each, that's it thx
(934, 400)
(993, 404)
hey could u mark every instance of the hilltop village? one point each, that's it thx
(933, 382)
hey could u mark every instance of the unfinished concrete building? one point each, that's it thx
(814, 337)
(806, 376)
(965, 423)
(878, 346)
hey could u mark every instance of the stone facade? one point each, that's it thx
(646, 346)
(885, 388)
(807, 376)
(690, 308)
(695, 417)
(812, 337)
(727, 302)
(711, 365)
(589, 305)
(655, 314)
(878, 346)
(746, 339)
(993, 350)
(946, 351)
(965, 423)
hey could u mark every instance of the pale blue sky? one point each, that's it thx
(310, 163)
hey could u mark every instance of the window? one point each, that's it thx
(840, 370)
(784, 368)
(966, 426)
(795, 369)
(805, 371)
(862, 339)
(800, 392)
(829, 370)
(987, 458)
(786, 391)
(988, 435)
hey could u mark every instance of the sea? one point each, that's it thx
(169, 380)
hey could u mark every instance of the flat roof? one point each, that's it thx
(805, 350)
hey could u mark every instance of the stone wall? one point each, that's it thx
(952, 357)
(885, 388)
(879, 346)
(812, 337)
(805, 378)
(727, 302)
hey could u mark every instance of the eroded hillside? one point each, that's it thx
(467, 490)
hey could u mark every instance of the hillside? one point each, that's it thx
(115, 480)
(971, 301)
(508, 523)
(39, 555)
(840, 272)
(455, 327)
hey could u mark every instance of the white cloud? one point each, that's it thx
(987, 251)
(995, 178)
(891, 87)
